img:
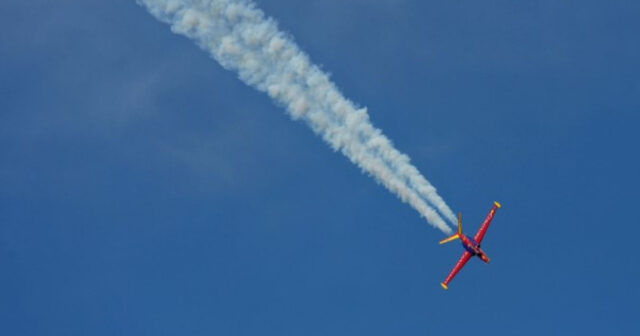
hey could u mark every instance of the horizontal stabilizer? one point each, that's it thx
(448, 239)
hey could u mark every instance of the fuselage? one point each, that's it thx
(473, 247)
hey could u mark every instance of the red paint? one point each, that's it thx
(471, 245)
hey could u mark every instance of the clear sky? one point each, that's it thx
(144, 190)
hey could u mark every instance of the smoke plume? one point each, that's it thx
(241, 38)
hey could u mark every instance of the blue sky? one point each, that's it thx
(146, 191)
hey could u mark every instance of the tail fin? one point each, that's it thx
(457, 234)
(448, 239)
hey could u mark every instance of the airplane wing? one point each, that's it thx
(485, 224)
(463, 260)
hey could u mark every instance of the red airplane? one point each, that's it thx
(471, 245)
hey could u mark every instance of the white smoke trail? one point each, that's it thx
(241, 38)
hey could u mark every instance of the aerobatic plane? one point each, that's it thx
(471, 245)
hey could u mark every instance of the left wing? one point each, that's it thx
(463, 260)
(485, 224)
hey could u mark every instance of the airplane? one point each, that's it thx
(471, 245)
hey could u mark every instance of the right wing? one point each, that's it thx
(463, 260)
(485, 224)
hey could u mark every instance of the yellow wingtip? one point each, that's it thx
(444, 286)
(497, 204)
